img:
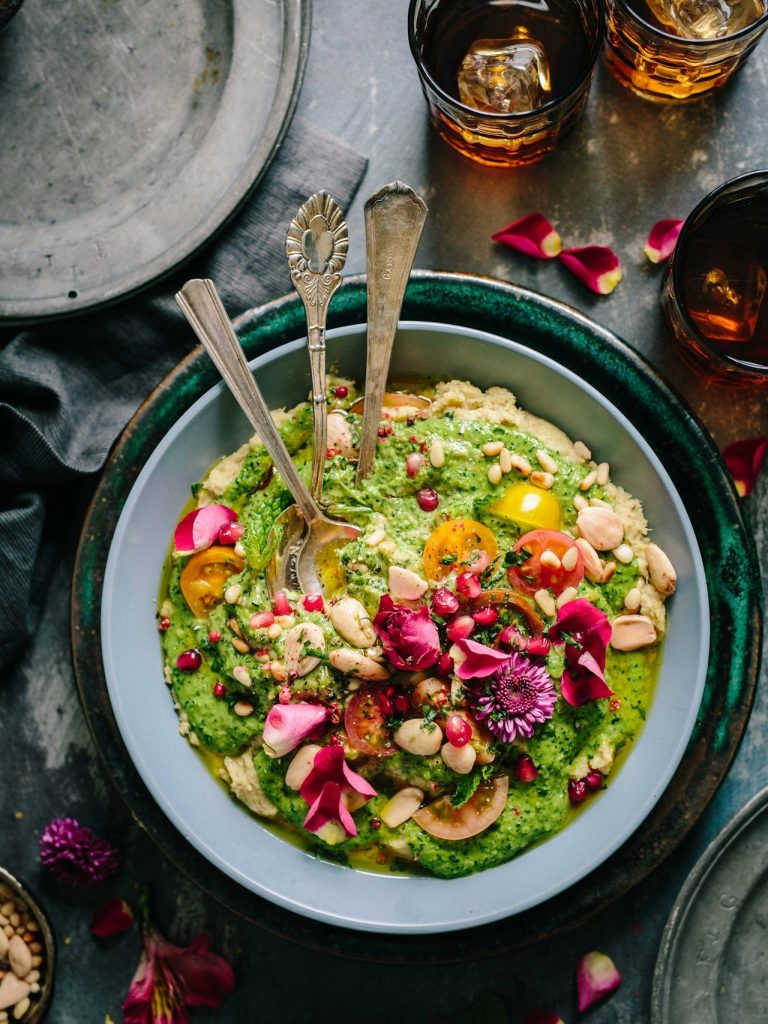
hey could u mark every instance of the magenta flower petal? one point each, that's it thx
(75, 855)
(409, 637)
(586, 631)
(200, 528)
(324, 788)
(475, 661)
(111, 919)
(287, 725)
(663, 239)
(596, 977)
(515, 699)
(329, 806)
(744, 459)
(596, 265)
(532, 235)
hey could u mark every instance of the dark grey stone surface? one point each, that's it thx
(627, 164)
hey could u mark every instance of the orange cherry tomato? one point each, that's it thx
(531, 575)
(444, 821)
(205, 576)
(454, 545)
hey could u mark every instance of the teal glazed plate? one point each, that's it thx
(592, 384)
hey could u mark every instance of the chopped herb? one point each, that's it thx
(465, 789)
(517, 558)
(196, 488)
(448, 560)
(430, 713)
(571, 641)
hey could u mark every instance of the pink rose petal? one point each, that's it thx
(744, 459)
(200, 529)
(111, 919)
(532, 235)
(583, 678)
(476, 661)
(596, 977)
(663, 239)
(324, 787)
(596, 265)
(287, 725)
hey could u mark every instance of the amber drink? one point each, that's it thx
(716, 291)
(679, 49)
(505, 79)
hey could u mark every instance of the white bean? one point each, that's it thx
(354, 663)
(301, 765)
(351, 620)
(418, 737)
(298, 641)
(459, 759)
(406, 585)
(631, 632)
(401, 806)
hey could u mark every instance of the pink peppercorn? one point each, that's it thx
(164, 624)
(427, 499)
(219, 690)
(313, 602)
(214, 636)
(285, 695)
(189, 661)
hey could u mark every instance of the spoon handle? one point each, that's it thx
(394, 219)
(201, 305)
(316, 247)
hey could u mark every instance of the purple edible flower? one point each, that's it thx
(75, 854)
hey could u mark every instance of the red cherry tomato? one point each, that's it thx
(531, 575)
(444, 821)
(366, 722)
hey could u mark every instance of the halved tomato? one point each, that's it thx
(444, 821)
(528, 505)
(454, 545)
(366, 724)
(531, 575)
(205, 575)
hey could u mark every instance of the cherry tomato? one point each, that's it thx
(452, 545)
(531, 575)
(204, 577)
(529, 505)
(366, 723)
(444, 821)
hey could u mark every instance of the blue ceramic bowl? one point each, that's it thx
(235, 842)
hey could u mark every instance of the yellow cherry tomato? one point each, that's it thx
(532, 506)
(454, 545)
(205, 575)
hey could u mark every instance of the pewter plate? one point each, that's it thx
(129, 134)
(713, 960)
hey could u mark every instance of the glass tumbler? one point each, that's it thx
(643, 51)
(715, 292)
(504, 80)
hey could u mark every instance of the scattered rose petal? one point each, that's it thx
(596, 977)
(409, 637)
(596, 265)
(663, 239)
(287, 725)
(535, 1017)
(325, 787)
(75, 854)
(200, 528)
(744, 459)
(586, 631)
(111, 919)
(476, 661)
(532, 235)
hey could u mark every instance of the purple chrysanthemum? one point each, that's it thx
(75, 854)
(518, 696)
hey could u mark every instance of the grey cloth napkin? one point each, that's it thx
(68, 388)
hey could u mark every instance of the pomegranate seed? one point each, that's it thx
(313, 603)
(263, 652)
(230, 533)
(341, 391)
(445, 665)
(594, 780)
(413, 439)
(445, 603)
(375, 824)
(390, 691)
(214, 636)
(513, 638)
(189, 661)
(577, 791)
(413, 464)
(401, 703)
(538, 646)
(334, 739)
(285, 695)
(486, 616)
(525, 769)
(219, 690)
(460, 628)
(163, 625)
(385, 430)
(458, 731)
(330, 453)
(280, 605)
(261, 620)
(385, 705)
(427, 499)
(468, 585)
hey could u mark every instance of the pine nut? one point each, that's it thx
(603, 472)
(588, 480)
(375, 538)
(241, 675)
(550, 559)
(582, 451)
(505, 460)
(491, 448)
(274, 631)
(521, 464)
(387, 547)
(569, 594)
(623, 553)
(231, 594)
(570, 558)
(437, 453)
(546, 602)
(598, 503)
(243, 709)
(277, 671)
(240, 645)
(239, 549)
(21, 1008)
(632, 600)
(547, 463)
(234, 625)
(543, 480)
(286, 621)
(580, 502)
(494, 473)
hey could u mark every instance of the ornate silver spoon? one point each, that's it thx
(306, 532)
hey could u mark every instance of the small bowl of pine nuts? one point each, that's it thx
(27, 954)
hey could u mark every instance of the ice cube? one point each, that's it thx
(504, 76)
(727, 297)
(706, 19)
